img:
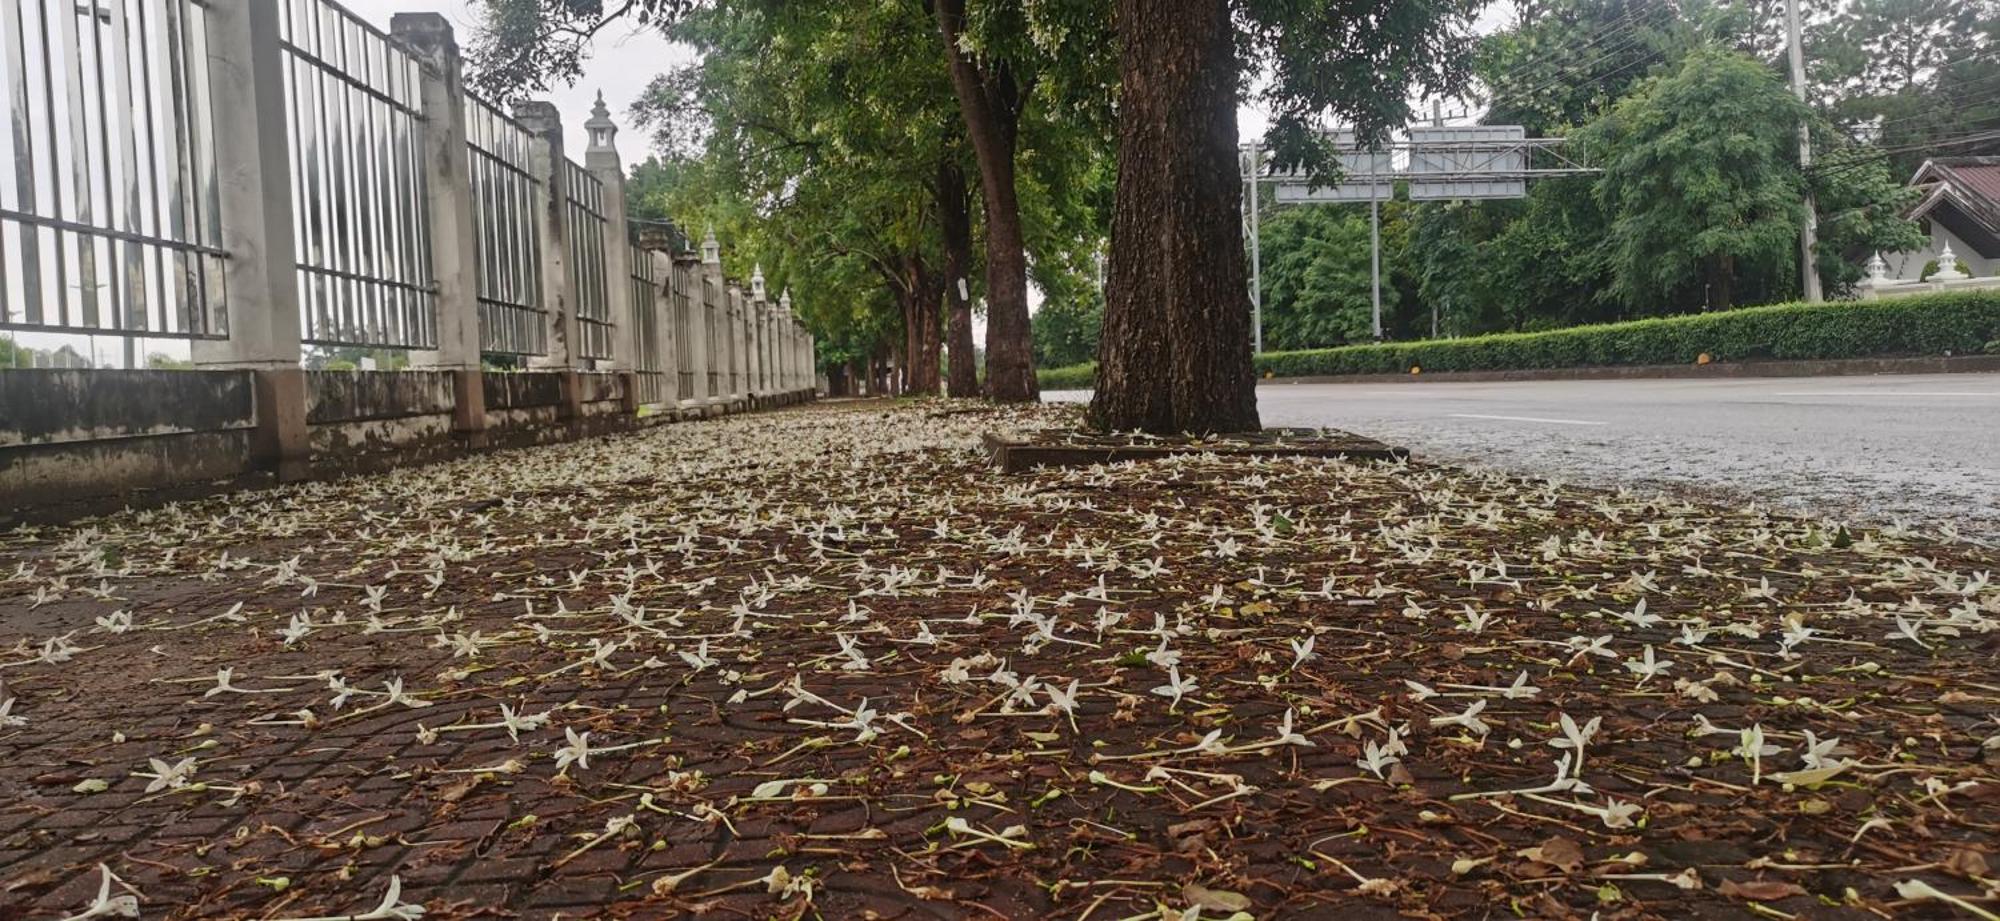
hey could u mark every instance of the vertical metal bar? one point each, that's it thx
(325, 200)
(80, 172)
(20, 111)
(208, 195)
(149, 64)
(340, 187)
(377, 207)
(298, 115)
(135, 304)
(184, 211)
(395, 137)
(372, 199)
(107, 158)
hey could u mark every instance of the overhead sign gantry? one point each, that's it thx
(1440, 163)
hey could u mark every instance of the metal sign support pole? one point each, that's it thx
(1375, 260)
(1253, 200)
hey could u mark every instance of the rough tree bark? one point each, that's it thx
(919, 292)
(1175, 354)
(955, 215)
(990, 101)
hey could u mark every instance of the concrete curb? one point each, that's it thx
(1735, 369)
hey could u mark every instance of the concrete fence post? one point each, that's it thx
(559, 298)
(759, 307)
(601, 159)
(252, 149)
(453, 220)
(667, 327)
(774, 348)
(687, 329)
(797, 381)
(790, 342)
(738, 344)
(805, 359)
(711, 332)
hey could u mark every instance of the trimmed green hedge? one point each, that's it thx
(1072, 377)
(1958, 323)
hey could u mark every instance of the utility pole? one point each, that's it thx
(1375, 258)
(1809, 229)
(1252, 201)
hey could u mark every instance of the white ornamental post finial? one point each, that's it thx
(711, 251)
(785, 300)
(757, 281)
(1877, 269)
(600, 126)
(1947, 269)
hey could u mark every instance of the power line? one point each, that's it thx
(1630, 20)
(1606, 54)
(1963, 104)
(1629, 23)
(1865, 157)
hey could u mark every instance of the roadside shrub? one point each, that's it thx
(1927, 324)
(1958, 323)
(1069, 377)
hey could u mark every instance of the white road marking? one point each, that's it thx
(1527, 419)
(1888, 393)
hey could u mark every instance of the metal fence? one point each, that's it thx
(512, 320)
(587, 227)
(684, 330)
(109, 222)
(360, 221)
(112, 215)
(646, 323)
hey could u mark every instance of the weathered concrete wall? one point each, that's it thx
(349, 396)
(50, 406)
(520, 389)
(47, 474)
(372, 412)
(78, 432)
(78, 438)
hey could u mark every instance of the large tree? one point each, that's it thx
(1175, 354)
(1015, 64)
(1702, 182)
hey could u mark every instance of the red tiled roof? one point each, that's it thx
(1970, 183)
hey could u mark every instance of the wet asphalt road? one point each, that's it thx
(1915, 449)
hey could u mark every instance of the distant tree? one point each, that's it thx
(1702, 184)
(649, 191)
(1861, 205)
(1317, 279)
(1066, 330)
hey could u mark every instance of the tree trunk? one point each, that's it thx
(991, 106)
(1175, 354)
(920, 294)
(955, 216)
